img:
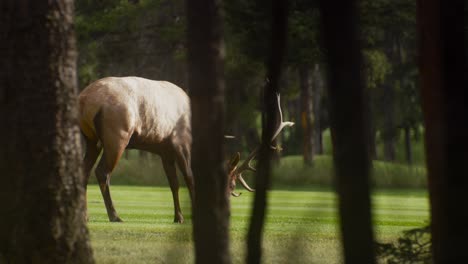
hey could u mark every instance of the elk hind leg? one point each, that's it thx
(106, 165)
(91, 155)
(183, 158)
(171, 174)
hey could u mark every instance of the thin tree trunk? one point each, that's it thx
(389, 131)
(296, 131)
(372, 128)
(320, 142)
(305, 79)
(443, 67)
(42, 188)
(317, 92)
(372, 143)
(349, 124)
(417, 133)
(262, 179)
(252, 138)
(408, 146)
(206, 85)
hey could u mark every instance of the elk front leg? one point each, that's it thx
(171, 174)
(103, 174)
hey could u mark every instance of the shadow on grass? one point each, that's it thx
(413, 247)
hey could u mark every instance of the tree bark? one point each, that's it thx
(349, 126)
(42, 188)
(317, 92)
(372, 127)
(408, 146)
(206, 84)
(443, 67)
(262, 179)
(389, 133)
(307, 118)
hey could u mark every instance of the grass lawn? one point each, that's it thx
(301, 226)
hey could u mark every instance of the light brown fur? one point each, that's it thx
(132, 112)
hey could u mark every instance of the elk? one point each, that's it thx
(116, 113)
(235, 171)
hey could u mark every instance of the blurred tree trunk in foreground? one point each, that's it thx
(350, 129)
(262, 179)
(444, 93)
(206, 86)
(42, 185)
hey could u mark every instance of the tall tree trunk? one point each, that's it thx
(349, 124)
(206, 85)
(443, 67)
(42, 188)
(252, 138)
(307, 118)
(262, 179)
(389, 133)
(296, 131)
(417, 133)
(317, 91)
(372, 141)
(408, 146)
(372, 129)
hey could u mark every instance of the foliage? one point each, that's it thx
(389, 40)
(244, 80)
(413, 247)
(376, 67)
(148, 39)
(304, 34)
(119, 38)
(290, 172)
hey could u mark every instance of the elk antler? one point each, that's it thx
(237, 171)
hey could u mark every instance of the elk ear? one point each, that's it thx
(234, 160)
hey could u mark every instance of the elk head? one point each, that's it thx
(235, 171)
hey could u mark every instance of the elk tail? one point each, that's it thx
(98, 126)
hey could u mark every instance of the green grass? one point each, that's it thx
(301, 226)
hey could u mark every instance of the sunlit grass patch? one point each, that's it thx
(301, 226)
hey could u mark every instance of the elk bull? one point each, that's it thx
(155, 116)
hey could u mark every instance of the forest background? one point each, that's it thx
(125, 38)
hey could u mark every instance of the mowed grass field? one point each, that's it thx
(302, 226)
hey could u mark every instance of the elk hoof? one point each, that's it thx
(179, 219)
(116, 219)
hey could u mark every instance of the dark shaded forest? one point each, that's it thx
(359, 82)
(120, 38)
